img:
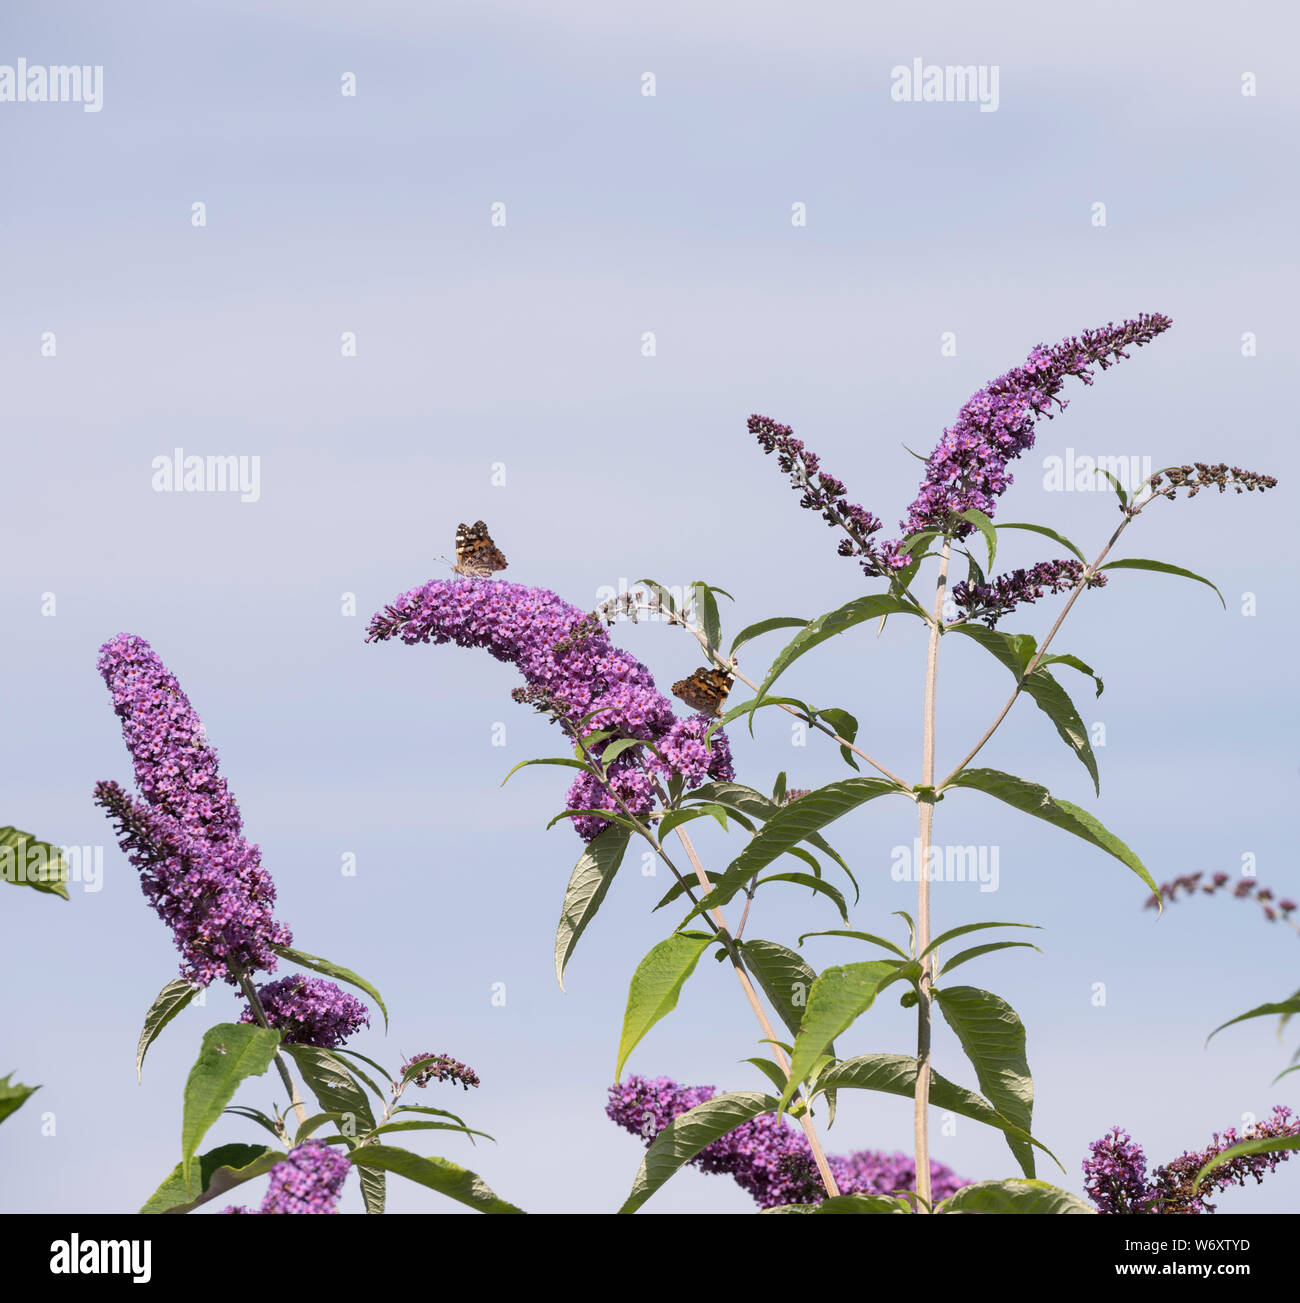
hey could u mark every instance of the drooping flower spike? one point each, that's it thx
(574, 674)
(309, 1011)
(184, 833)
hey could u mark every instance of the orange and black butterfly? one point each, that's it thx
(476, 554)
(706, 690)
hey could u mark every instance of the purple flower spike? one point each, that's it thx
(200, 874)
(768, 1159)
(310, 1180)
(310, 1011)
(572, 670)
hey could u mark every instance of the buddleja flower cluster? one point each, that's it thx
(968, 468)
(990, 602)
(1115, 1176)
(768, 1159)
(574, 674)
(309, 1011)
(439, 1067)
(310, 1180)
(184, 834)
(1192, 884)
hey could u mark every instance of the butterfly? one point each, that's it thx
(705, 690)
(476, 554)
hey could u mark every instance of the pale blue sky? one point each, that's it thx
(522, 345)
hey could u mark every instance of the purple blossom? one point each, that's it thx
(990, 602)
(439, 1067)
(968, 468)
(1115, 1176)
(309, 1011)
(768, 1159)
(203, 878)
(572, 670)
(310, 1180)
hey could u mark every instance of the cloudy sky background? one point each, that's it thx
(522, 346)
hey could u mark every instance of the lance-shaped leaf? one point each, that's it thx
(827, 626)
(965, 956)
(895, 1074)
(840, 995)
(1284, 1007)
(993, 1037)
(439, 1174)
(792, 824)
(706, 613)
(26, 861)
(862, 1203)
(213, 1174)
(230, 1052)
(1140, 563)
(655, 986)
(329, 1078)
(736, 796)
(1047, 533)
(1265, 1145)
(1046, 692)
(1014, 1196)
(765, 626)
(171, 1000)
(319, 965)
(13, 1095)
(985, 527)
(785, 976)
(1033, 798)
(690, 1132)
(588, 886)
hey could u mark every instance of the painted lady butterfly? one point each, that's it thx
(476, 554)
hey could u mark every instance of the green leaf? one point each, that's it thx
(786, 978)
(439, 1174)
(219, 1170)
(706, 607)
(1047, 533)
(13, 1095)
(566, 762)
(1290, 1006)
(778, 788)
(1046, 692)
(666, 598)
(374, 1189)
(966, 928)
(1014, 1196)
(993, 1038)
(770, 1071)
(736, 796)
(1031, 798)
(386, 1127)
(976, 951)
(27, 862)
(588, 886)
(839, 996)
(1076, 664)
(690, 1132)
(255, 1115)
(792, 824)
(813, 884)
(610, 816)
(331, 1081)
(1137, 563)
(1265, 1145)
(1120, 491)
(655, 986)
(336, 971)
(859, 936)
(230, 1052)
(860, 1203)
(170, 1001)
(616, 749)
(828, 625)
(765, 626)
(895, 1074)
(985, 527)
(846, 726)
